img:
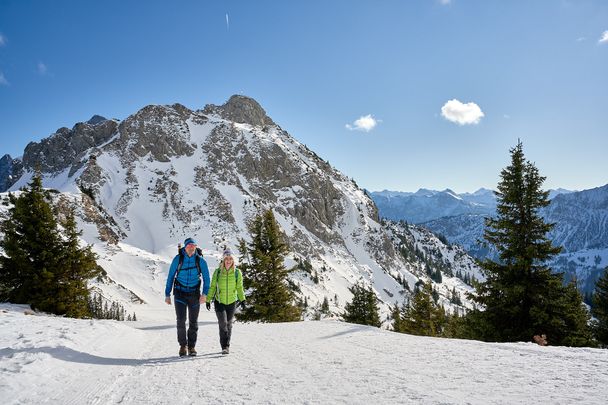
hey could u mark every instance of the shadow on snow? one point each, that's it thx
(74, 356)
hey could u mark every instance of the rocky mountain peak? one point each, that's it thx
(96, 119)
(241, 109)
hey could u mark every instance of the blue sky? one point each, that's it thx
(366, 84)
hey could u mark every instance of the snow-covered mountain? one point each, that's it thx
(425, 205)
(143, 184)
(581, 228)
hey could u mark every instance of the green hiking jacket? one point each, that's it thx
(225, 288)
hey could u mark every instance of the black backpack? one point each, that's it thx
(197, 261)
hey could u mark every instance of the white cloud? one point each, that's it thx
(3, 80)
(445, 2)
(364, 123)
(604, 38)
(580, 39)
(461, 113)
(42, 69)
(3, 40)
(227, 22)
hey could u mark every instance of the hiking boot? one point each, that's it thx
(225, 350)
(191, 351)
(182, 351)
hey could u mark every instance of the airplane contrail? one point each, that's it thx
(227, 22)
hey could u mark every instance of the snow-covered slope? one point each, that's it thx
(66, 361)
(166, 172)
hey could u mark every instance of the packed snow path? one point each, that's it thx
(55, 360)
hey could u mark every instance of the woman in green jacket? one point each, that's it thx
(226, 291)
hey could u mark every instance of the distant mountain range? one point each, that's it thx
(581, 223)
(426, 205)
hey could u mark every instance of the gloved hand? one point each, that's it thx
(242, 305)
(208, 305)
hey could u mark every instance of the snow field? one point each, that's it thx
(46, 359)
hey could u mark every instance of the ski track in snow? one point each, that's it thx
(46, 359)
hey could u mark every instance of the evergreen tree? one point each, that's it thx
(363, 309)
(40, 266)
(396, 315)
(325, 306)
(459, 326)
(270, 299)
(77, 265)
(31, 240)
(422, 316)
(521, 296)
(574, 314)
(600, 309)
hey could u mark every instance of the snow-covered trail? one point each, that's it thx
(55, 360)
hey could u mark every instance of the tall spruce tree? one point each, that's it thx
(270, 299)
(521, 296)
(28, 269)
(600, 309)
(363, 309)
(41, 267)
(77, 266)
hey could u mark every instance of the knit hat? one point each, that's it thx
(189, 241)
(227, 252)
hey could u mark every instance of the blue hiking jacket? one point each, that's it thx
(188, 275)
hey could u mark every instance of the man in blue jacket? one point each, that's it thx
(185, 274)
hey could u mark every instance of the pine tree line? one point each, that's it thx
(100, 309)
(466, 278)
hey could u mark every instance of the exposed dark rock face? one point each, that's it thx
(10, 171)
(160, 131)
(66, 147)
(6, 170)
(96, 119)
(241, 109)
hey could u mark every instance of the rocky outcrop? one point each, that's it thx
(274, 176)
(6, 168)
(96, 119)
(241, 109)
(10, 171)
(66, 147)
(160, 131)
